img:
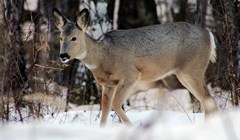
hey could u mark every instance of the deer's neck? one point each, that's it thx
(93, 55)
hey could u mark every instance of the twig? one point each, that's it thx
(48, 67)
(182, 108)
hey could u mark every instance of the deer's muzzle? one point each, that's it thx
(64, 57)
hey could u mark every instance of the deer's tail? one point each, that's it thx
(213, 55)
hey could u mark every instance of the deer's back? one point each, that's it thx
(159, 46)
(179, 34)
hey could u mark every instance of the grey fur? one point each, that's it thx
(125, 62)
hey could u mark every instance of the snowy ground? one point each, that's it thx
(147, 125)
(155, 116)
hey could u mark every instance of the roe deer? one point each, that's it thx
(124, 62)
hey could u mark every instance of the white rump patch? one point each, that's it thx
(213, 54)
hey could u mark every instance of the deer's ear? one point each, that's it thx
(83, 18)
(59, 19)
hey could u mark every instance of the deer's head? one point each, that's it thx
(72, 36)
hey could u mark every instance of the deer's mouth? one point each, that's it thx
(64, 57)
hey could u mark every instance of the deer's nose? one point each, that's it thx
(64, 57)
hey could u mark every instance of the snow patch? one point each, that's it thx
(147, 125)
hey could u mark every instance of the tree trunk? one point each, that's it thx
(133, 14)
(15, 76)
(226, 14)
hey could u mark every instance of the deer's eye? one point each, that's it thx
(74, 39)
(60, 39)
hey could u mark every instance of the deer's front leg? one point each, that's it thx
(107, 97)
(124, 90)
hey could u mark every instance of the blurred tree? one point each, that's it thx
(183, 11)
(133, 14)
(14, 66)
(30, 46)
(227, 15)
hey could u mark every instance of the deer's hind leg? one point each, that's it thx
(194, 82)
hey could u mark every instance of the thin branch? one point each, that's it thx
(48, 67)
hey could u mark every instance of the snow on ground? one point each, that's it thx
(147, 125)
(155, 116)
